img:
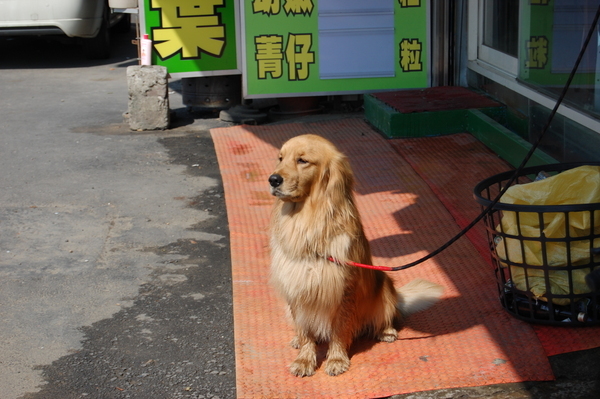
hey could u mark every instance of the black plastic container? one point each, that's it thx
(566, 309)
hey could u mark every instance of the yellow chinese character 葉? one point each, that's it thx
(268, 7)
(298, 7)
(299, 56)
(410, 3)
(189, 27)
(537, 52)
(269, 54)
(410, 55)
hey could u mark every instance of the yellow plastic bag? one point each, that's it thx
(575, 186)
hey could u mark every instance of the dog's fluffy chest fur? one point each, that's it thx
(304, 231)
(301, 248)
(313, 286)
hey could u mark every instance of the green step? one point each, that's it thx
(507, 144)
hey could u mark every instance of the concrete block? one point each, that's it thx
(148, 97)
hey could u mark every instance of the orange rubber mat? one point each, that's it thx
(466, 339)
(452, 166)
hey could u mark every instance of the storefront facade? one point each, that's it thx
(521, 53)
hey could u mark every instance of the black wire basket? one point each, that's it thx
(537, 288)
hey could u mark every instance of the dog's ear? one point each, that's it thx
(338, 178)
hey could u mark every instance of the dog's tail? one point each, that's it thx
(418, 295)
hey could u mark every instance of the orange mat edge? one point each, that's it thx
(246, 155)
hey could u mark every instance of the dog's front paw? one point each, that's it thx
(337, 366)
(303, 368)
(295, 342)
(388, 335)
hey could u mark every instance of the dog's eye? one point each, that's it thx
(302, 161)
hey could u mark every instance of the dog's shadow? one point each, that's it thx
(435, 321)
(417, 232)
(441, 319)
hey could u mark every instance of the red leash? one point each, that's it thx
(350, 263)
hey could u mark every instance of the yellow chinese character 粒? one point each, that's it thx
(299, 56)
(298, 7)
(269, 54)
(410, 3)
(189, 27)
(537, 52)
(410, 55)
(268, 7)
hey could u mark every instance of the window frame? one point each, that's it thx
(498, 69)
(503, 61)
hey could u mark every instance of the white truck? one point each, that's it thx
(87, 19)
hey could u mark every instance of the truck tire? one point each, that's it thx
(98, 48)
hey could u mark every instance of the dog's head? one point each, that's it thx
(310, 165)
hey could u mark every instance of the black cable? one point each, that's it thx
(525, 160)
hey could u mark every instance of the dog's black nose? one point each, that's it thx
(275, 180)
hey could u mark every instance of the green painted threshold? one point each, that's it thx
(379, 114)
(508, 145)
(394, 124)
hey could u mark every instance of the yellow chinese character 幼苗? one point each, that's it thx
(410, 3)
(189, 27)
(539, 2)
(299, 56)
(537, 52)
(298, 7)
(269, 7)
(269, 55)
(410, 55)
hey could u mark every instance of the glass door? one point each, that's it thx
(499, 34)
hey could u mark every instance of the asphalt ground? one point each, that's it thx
(115, 274)
(114, 248)
(175, 338)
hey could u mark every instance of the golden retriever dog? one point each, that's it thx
(315, 218)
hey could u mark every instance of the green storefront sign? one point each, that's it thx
(192, 37)
(293, 47)
(333, 46)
